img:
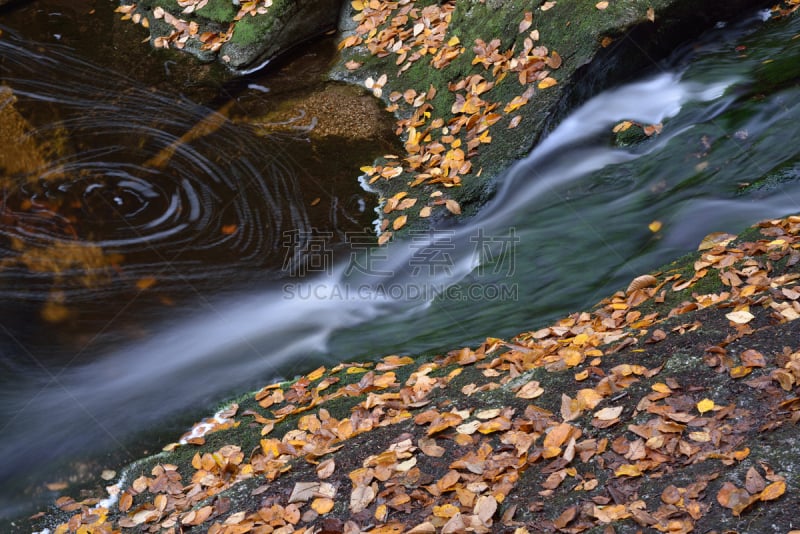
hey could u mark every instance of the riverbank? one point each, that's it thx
(670, 406)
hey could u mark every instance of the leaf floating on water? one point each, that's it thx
(53, 312)
(654, 226)
(143, 284)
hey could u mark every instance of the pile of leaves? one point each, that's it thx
(670, 406)
(440, 142)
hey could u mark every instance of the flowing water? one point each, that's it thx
(145, 265)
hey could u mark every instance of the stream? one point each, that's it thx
(160, 251)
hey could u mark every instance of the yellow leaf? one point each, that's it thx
(660, 387)
(622, 126)
(601, 5)
(356, 370)
(547, 82)
(628, 470)
(654, 226)
(381, 512)
(322, 505)
(425, 212)
(705, 405)
(316, 373)
(583, 375)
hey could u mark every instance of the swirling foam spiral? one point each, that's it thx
(170, 186)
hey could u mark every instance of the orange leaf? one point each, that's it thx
(557, 435)
(399, 222)
(773, 491)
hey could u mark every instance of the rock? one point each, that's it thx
(243, 35)
(21, 155)
(595, 49)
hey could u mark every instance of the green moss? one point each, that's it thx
(218, 11)
(251, 30)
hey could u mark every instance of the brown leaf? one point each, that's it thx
(429, 447)
(641, 282)
(197, 517)
(452, 206)
(485, 508)
(326, 468)
(736, 499)
(360, 498)
(566, 517)
(754, 482)
(530, 390)
(670, 495)
(753, 358)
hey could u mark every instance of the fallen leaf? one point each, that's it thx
(526, 22)
(452, 206)
(705, 405)
(609, 414)
(740, 317)
(773, 491)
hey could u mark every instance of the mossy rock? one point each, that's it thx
(254, 39)
(599, 48)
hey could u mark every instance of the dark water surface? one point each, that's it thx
(144, 254)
